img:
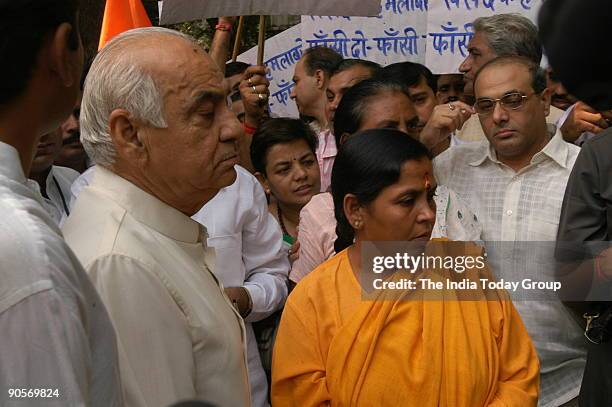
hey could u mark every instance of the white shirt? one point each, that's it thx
(525, 206)
(585, 136)
(179, 336)
(78, 184)
(54, 331)
(248, 252)
(57, 185)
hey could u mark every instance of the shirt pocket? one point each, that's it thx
(229, 267)
(542, 229)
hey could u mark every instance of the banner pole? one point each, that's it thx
(262, 40)
(238, 39)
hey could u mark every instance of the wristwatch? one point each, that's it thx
(247, 312)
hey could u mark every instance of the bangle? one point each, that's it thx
(248, 129)
(223, 27)
(250, 304)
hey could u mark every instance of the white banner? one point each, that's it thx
(397, 34)
(449, 27)
(435, 33)
(176, 11)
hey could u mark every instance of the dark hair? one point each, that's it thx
(349, 63)
(24, 24)
(323, 58)
(235, 68)
(409, 74)
(279, 131)
(86, 68)
(354, 104)
(537, 74)
(367, 163)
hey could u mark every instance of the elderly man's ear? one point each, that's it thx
(124, 130)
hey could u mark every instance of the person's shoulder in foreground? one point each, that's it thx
(55, 327)
(58, 345)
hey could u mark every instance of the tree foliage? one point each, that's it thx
(204, 30)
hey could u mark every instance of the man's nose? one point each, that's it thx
(500, 115)
(231, 129)
(70, 125)
(465, 65)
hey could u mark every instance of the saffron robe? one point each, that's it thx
(335, 349)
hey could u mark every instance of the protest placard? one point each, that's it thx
(397, 34)
(435, 33)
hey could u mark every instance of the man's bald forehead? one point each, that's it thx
(146, 41)
(154, 44)
(160, 52)
(526, 66)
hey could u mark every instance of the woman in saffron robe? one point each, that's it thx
(335, 349)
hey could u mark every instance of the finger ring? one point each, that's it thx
(254, 89)
(261, 97)
(451, 106)
(250, 81)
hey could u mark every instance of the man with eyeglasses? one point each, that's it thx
(515, 185)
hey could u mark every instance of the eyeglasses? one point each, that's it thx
(513, 101)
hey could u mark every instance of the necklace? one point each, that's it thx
(279, 213)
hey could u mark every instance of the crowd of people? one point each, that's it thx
(165, 238)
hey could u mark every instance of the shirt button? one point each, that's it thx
(509, 212)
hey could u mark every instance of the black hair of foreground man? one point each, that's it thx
(24, 26)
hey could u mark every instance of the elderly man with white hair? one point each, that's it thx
(155, 121)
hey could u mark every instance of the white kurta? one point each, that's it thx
(54, 331)
(248, 252)
(179, 336)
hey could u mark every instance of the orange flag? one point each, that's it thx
(120, 16)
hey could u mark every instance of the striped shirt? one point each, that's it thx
(525, 206)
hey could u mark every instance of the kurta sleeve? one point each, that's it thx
(312, 253)
(317, 234)
(298, 371)
(152, 332)
(519, 366)
(266, 263)
(47, 349)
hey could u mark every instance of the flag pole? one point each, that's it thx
(262, 40)
(238, 39)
